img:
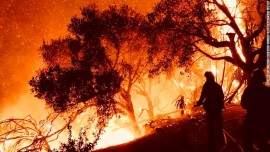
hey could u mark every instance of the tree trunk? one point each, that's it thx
(135, 127)
(150, 107)
(131, 113)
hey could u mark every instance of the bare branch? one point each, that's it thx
(139, 90)
(140, 73)
(212, 41)
(218, 24)
(117, 57)
(27, 130)
(233, 23)
(136, 71)
(227, 58)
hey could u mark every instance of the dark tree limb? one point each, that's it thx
(233, 23)
(226, 58)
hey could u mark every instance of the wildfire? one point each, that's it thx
(116, 137)
(186, 85)
(235, 11)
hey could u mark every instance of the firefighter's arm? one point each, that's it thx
(200, 102)
(202, 97)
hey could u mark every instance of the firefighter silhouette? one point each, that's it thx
(212, 100)
(256, 100)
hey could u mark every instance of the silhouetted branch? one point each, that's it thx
(29, 135)
(233, 23)
(227, 58)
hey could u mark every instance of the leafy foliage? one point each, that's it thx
(170, 29)
(80, 70)
(89, 76)
(81, 144)
(64, 88)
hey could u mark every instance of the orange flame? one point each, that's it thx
(116, 137)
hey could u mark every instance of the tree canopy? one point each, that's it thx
(89, 65)
(178, 29)
(77, 68)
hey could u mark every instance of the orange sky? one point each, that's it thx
(24, 24)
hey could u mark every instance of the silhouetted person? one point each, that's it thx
(181, 105)
(212, 100)
(256, 101)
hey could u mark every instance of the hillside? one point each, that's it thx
(188, 135)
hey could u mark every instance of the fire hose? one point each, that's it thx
(227, 135)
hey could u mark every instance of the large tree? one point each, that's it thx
(115, 36)
(127, 49)
(78, 73)
(179, 28)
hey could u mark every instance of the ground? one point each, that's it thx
(185, 135)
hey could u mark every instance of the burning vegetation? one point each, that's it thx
(119, 72)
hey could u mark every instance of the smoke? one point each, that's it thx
(23, 27)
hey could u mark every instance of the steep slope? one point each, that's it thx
(188, 135)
